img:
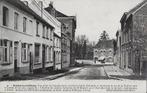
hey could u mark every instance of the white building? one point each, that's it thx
(57, 52)
(38, 7)
(26, 39)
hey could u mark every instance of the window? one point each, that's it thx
(51, 54)
(24, 24)
(1, 51)
(5, 51)
(47, 54)
(47, 32)
(37, 51)
(37, 28)
(51, 34)
(15, 21)
(24, 52)
(43, 33)
(5, 16)
(30, 26)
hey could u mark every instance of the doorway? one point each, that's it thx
(43, 57)
(16, 69)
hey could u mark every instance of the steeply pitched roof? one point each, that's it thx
(105, 44)
(131, 11)
(59, 14)
(137, 6)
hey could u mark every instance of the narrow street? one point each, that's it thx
(87, 72)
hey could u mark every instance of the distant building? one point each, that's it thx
(133, 39)
(70, 27)
(105, 49)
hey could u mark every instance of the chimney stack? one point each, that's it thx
(51, 4)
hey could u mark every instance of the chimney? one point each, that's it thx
(41, 6)
(51, 4)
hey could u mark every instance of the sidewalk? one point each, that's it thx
(44, 76)
(52, 77)
(117, 73)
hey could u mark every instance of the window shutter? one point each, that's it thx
(28, 51)
(11, 55)
(1, 54)
(22, 54)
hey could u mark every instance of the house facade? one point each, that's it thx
(57, 52)
(133, 42)
(26, 38)
(16, 38)
(105, 49)
(68, 35)
(38, 8)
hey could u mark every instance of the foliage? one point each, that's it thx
(83, 48)
(104, 36)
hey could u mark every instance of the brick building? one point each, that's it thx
(104, 48)
(133, 39)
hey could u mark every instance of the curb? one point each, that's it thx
(59, 75)
(111, 76)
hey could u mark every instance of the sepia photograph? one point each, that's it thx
(74, 40)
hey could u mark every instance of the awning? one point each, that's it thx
(102, 58)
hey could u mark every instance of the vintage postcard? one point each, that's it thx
(73, 46)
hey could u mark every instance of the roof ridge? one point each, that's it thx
(136, 7)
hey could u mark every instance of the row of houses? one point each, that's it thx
(32, 39)
(132, 40)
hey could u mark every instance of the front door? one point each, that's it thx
(43, 56)
(31, 62)
(54, 60)
(16, 58)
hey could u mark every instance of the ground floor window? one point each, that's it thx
(47, 54)
(5, 51)
(37, 53)
(24, 52)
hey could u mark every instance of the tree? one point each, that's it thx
(80, 46)
(84, 49)
(104, 36)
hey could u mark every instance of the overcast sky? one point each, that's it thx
(94, 16)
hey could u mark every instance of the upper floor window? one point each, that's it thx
(5, 16)
(37, 28)
(51, 34)
(24, 24)
(15, 20)
(43, 33)
(47, 32)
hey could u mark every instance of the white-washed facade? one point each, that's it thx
(57, 52)
(16, 39)
(38, 7)
(26, 39)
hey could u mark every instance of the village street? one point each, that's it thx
(92, 71)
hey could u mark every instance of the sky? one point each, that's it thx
(95, 16)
